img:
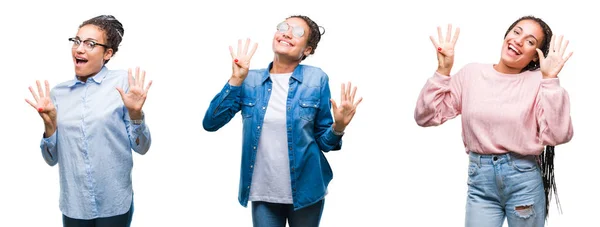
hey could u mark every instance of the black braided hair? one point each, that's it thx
(112, 28)
(546, 161)
(546, 158)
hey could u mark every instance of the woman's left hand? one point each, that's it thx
(551, 65)
(344, 113)
(136, 95)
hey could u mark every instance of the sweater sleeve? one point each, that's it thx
(553, 113)
(439, 100)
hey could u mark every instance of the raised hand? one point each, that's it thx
(551, 65)
(135, 97)
(241, 62)
(344, 113)
(44, 106)
(445, 49)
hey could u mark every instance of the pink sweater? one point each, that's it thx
(500, 112)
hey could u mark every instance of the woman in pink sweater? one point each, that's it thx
(510, 111)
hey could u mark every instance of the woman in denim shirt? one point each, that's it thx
(92, 123)
(287, 125)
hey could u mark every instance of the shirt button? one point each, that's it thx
(264, 107)
(255, 148)
(292, 169)
(289, 108)
(226, 91)
(290, 148)
(251, 166)
(269, 89)
(258, 126)
(289, 128)
(248, 186)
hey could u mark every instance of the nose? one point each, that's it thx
(519, 40)
(80, 49)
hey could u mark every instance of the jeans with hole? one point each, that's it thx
(504, 186)
(266, 214)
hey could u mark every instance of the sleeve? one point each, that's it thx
(439, 100)
(222, 108)
(553, 113)
(324, 135)
(139, 135)
(48, 145)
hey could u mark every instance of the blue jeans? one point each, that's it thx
(123, 220)
(504, 186)
(266, 214)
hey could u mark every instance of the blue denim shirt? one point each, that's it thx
(309, 128)
(92, 145)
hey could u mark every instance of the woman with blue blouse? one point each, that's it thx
(287, 125)
(92, 123)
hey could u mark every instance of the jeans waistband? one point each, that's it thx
(490, 159)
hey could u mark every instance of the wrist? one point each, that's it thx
(235, 81)
(135, 114)
(443, 71)
(338, 128)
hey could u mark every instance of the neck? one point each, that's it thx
(84, 78)
(503, 68)
(282, 65)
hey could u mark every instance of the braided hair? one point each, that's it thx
(546, 158)
(112, 28)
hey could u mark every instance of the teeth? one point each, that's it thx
(515, 49)
(285, 43)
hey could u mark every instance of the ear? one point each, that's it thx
(108, 54)
(307, 50)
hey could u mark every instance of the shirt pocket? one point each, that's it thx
(308, 109)
(248, 107)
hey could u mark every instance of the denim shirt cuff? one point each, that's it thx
(230, 92)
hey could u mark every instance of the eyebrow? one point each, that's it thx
(519, 27)
(91, 39)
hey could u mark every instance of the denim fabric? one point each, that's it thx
(308, 121)
(266, 214)
(505, 186)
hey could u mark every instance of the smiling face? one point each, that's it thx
(89, 62)
(520, 44)
(287, 44)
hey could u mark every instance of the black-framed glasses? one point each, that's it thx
(87, 44)
(297, 31)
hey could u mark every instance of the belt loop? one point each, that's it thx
(475, 158)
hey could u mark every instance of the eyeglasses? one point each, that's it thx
(87, 44)
(297, 31)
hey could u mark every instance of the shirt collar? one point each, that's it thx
(297, 74)
(96, 78)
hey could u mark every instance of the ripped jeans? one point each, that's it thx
(504, 186)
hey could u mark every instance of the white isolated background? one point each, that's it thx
(390, 171)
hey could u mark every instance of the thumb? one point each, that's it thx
(333, 104)
(121, 92)
(540, 54)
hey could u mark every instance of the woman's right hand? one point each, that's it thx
(240, 62)
(44, 106)
(445, 49)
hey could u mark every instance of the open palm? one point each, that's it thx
(551, 65)
(344, 113)
(135, 97)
